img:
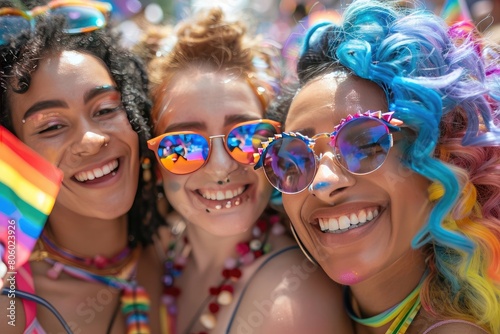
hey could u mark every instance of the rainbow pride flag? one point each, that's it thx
(455, 11)
(28, 188)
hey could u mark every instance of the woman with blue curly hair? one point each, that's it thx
(398, 113)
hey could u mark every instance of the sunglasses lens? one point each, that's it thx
(183, 153)
(289, 165)
(363, 144)
(243, 141)
(80, 19)
(12, 26)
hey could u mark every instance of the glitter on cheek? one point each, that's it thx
(320, 185)
(349, 278)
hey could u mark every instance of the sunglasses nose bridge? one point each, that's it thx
(224, 149)
(217, 136)
(211, 140)
(319, 149)
(219, 162)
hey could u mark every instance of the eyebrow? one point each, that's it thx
(98, 91)
(188, 126)
(47, 104)
(183, 126)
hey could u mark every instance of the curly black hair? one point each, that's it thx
(19, 60)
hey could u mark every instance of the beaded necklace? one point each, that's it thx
(222, 294)
(135, 302)
(402, 313)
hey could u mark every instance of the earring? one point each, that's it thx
(302, 247)
(146, 169)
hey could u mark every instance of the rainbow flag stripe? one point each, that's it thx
(455, 11)
(28, 188)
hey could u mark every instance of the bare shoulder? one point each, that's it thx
(291, 295)
(457, 328)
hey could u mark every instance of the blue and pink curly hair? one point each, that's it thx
(445, 86)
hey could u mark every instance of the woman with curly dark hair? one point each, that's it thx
(71, 93)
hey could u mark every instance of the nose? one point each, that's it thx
(90, 143)
(330, 179)
(220, 164)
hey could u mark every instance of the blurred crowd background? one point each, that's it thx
(283, 22)
(276, 19)
(280, 21)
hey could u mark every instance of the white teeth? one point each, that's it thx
(344, 222)
(362, 216)
(333, 224)
(323, 224)
(97, 172)
(221, 195)
(106, 170)
(354, 219)
(369, 215)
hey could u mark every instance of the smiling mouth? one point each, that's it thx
(96, 173)
(223, 198)
(347, 222)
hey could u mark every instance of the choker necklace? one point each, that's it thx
(98, 264)
(119, 273)
(222, 294)
(402, 313)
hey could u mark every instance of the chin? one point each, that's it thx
(229, 225)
